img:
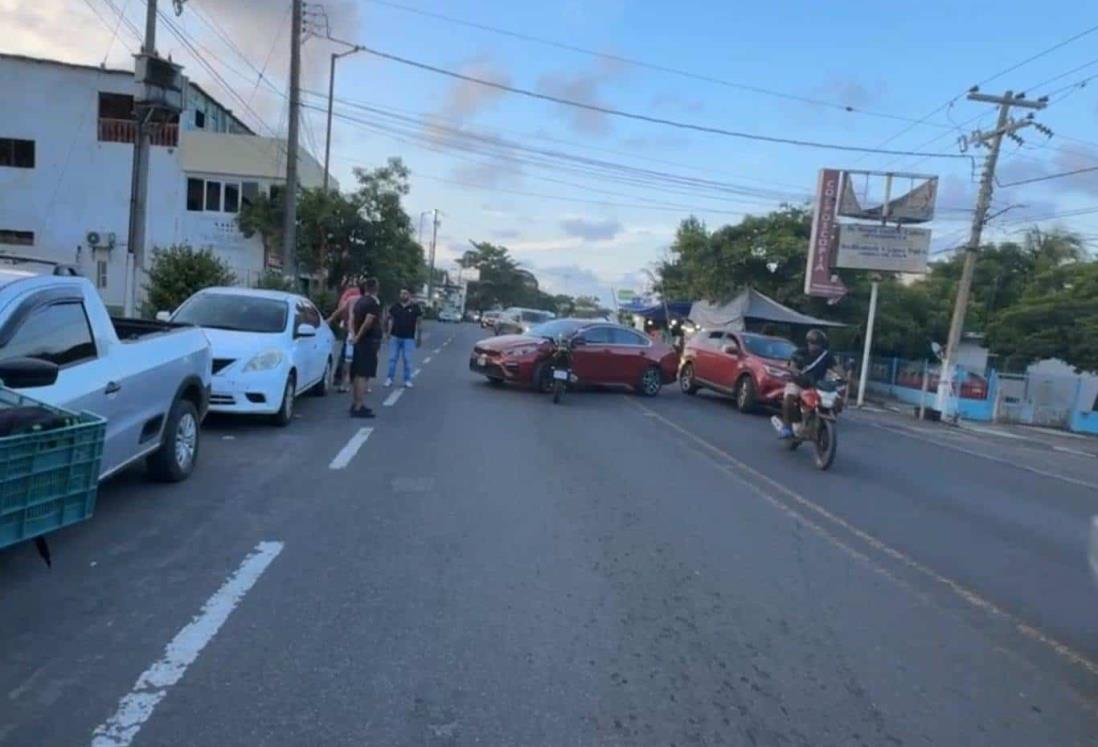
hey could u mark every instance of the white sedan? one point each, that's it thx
(268, 348)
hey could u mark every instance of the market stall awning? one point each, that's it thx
(752, 305)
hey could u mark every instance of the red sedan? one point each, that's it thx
(752, 368)
(602, 353)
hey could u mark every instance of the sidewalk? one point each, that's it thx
(1031, 435)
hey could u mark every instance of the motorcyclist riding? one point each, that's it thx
(811, 364)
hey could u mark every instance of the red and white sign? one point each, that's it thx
(819, 277)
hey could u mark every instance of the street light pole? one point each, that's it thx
(331, 96)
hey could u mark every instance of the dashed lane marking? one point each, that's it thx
(426, 360)
(416, 372)
(392, 398)
(347, 453)
(152, 686)
(743, 470)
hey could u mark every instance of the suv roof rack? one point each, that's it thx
(58, 268)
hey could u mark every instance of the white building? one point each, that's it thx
(66, 155)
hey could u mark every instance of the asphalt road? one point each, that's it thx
(488, 568)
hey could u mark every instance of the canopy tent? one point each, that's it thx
(750, 305)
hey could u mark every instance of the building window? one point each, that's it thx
(276, 192)
(16, 238)
(213, 197)
(101, 274)
(232, 198)
(249, 193)
(200, 119)
(195, 191)
(16, 153)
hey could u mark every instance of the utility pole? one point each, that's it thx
(289, 226)
(139, 184)
(431, 275)
(1004, 127)
(331, 96)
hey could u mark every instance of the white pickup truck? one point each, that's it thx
(149, 380)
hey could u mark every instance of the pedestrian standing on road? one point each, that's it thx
(366, 337)
(341, 318)
(402, 328)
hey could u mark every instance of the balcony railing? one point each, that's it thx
(125, 131)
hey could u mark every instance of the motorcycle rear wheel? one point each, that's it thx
(827, 441)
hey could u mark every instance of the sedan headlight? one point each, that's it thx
(521, 351)
(781, 373)
(265, 361)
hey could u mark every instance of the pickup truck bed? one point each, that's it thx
(129, 330)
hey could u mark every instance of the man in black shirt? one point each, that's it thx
(366, 337)
(811, 363)
(403, 320)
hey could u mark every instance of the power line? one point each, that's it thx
(651, 65)
(645, 117)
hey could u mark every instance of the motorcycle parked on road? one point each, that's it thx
(560, 367)
(815, 420)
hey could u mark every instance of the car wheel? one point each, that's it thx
(325, 384)
(178, 451)
(285, 412)
(651, 382)
(686, 379)
(746, 397)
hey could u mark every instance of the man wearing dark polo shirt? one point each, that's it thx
(366, 337)
(403, 320)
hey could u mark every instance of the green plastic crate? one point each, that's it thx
(48, 479)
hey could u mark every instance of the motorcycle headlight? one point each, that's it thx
(265, 361)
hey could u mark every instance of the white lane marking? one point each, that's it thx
(135, 708)
(1076, 452)
(426, 360)
(416, 373)
(436, 351)
(392, 398)
(347, 453)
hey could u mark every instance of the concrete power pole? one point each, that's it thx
(139, 185)
(431, 272)
(993, 140)
(289, 226)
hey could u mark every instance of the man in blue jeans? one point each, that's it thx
(403, 321)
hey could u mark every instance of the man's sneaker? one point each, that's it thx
(407, 384)
(785, 433)
(388, 382)
(362, 412)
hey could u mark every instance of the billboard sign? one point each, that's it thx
(819, 277)
(865, 246)
(624, 294)
(915, 206)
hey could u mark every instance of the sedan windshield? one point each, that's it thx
(554, 329)
(240, 313)
(770, 347)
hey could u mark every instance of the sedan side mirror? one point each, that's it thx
(26, 373)
(578, 341)
(163, 316)
(305, 330)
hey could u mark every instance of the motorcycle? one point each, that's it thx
(815, 420)
(560, 367)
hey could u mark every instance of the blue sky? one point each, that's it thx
(886, 61)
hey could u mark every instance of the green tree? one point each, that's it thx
(178, 272)
(263, 216)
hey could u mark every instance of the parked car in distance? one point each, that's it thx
(602, 354)
(488, 319)
(517, 321)
(269, 347)
(752, 368)
(149, 380)
(448, 314)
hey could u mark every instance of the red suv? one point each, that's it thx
(752, 368)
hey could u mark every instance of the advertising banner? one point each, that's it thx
(864, 246)
(819, 279)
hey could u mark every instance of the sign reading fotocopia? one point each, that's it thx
(864, 246)
(819, 278)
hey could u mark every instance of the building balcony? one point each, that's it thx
(125, 131)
